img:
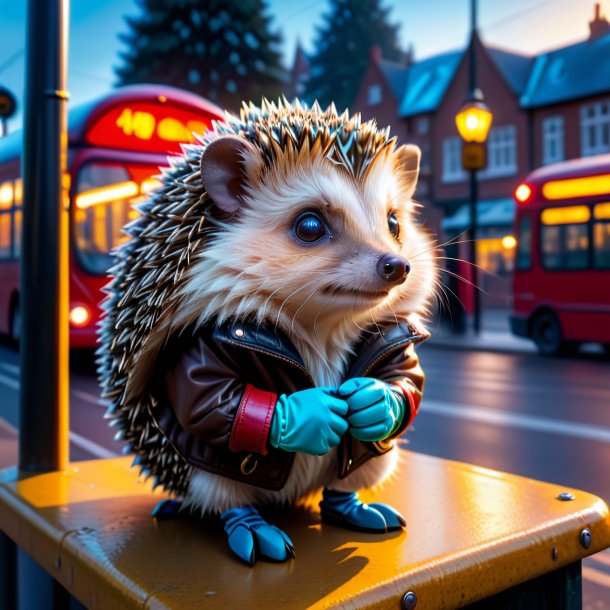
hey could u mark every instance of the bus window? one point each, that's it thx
(565, 246)
(5, 235)
(524, 244)
(106, 192)
(17, 216)
(601, 236)
(6, 204)
(565, 237)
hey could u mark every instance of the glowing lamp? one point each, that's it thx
(473, 121)
(508, 242)
(79, 316)
(523, 193)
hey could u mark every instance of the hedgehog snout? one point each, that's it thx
(393, 269)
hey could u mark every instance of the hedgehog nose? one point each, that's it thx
(393, 269)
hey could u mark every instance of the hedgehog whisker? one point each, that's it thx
(459, 277)
(296, 313)
(461, 260)
(305, 285)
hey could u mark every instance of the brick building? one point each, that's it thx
(547, 108)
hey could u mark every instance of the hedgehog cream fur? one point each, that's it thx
(181, 268)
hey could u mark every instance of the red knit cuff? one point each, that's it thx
(413, 398)
(253, 421)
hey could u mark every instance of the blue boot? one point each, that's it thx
(251, 537)
(345, 510)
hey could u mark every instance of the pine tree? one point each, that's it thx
(343, 45)
(222, 49)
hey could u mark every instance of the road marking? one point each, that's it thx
(8, 426)
(76, 439)
(88, 397)
(596, 577)
(9, 381)
(603, 558)
(90, 447)
(517, 420)
(10, 368)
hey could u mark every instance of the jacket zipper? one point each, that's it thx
(364, 371)
(383, 353)
(260, 350)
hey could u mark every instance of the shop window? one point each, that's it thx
(493, 257)
(524, 244)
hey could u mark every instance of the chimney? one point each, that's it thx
(376, 53)
(600, 26)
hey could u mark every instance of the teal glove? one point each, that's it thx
(375, 408)
(310, 421)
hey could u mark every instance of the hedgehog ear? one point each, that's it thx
(223, 170)
(407, 164)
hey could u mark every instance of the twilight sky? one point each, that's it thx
(434, 26)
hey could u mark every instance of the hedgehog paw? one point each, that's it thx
(251, 537)
(345, 510)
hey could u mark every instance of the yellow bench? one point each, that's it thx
(471, 533)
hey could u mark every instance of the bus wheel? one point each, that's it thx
(546, 334)
(15, 325)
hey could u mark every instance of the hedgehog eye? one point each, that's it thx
(309, 227)
(393, 225)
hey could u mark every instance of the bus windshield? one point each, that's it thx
(106, 192)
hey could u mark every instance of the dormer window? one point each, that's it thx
(374, 95)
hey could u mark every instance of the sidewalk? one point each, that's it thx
(495, 336)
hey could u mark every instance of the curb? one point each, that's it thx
(480, 347)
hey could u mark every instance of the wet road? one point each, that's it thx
(542, 418)
(547, 419)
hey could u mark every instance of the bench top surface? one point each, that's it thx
(471, 532)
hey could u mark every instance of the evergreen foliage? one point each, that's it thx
(223, 50)
(343, 45)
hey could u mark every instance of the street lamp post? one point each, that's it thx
(473, 122)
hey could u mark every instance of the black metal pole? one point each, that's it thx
(43, 429)
(474, 275)
(472, 50)
(474, 185)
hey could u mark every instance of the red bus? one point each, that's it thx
(116, 145)
(561, 285)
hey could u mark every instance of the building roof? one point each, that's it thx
(427, 81)
(395, 75)
(515, 68)
(572, 72)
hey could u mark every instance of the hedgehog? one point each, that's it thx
(258, 331)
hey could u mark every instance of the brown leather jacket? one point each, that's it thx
(206, 378)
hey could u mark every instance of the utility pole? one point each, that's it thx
(43, 429)
(473, 122)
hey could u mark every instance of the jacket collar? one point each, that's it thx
(379, 341)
